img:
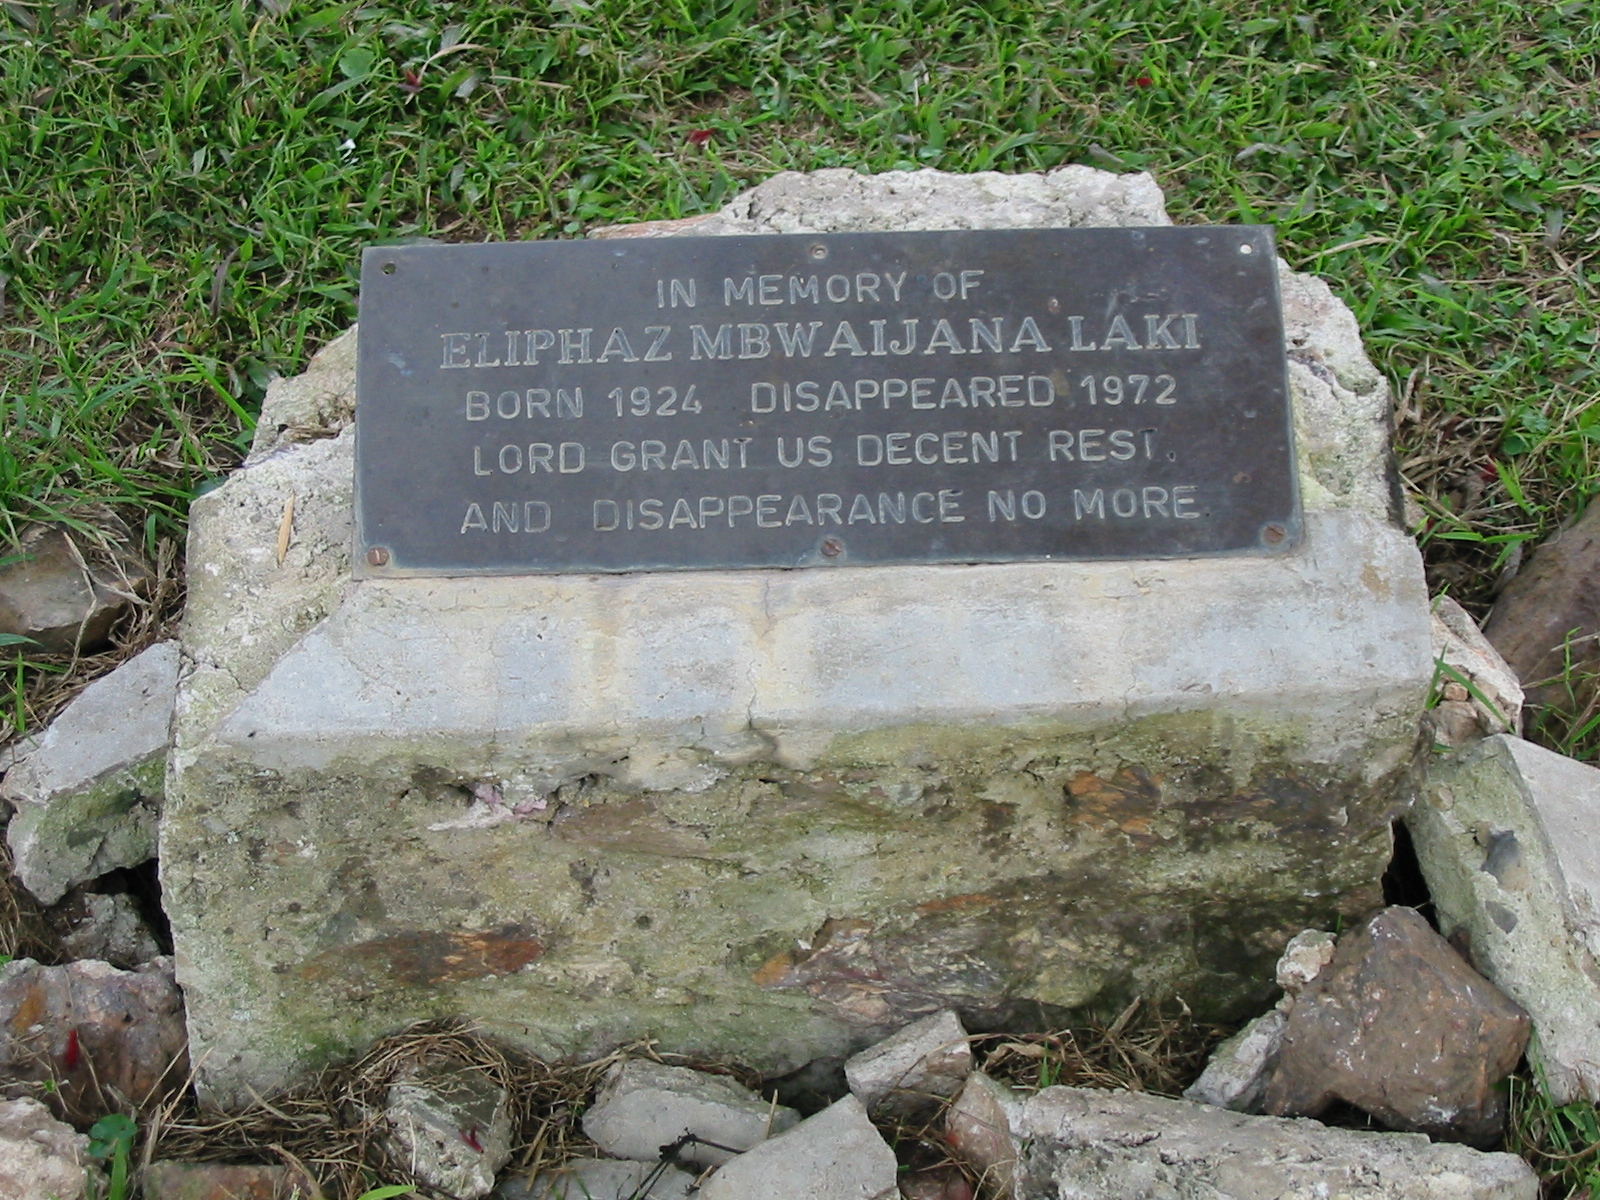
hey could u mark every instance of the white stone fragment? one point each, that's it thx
(450, 1126)
(317, 404)
(643, 1106)
(1236, 1077)
(41, 1158)
(1460, 645)
(1505, 833)
(88, 791)
(926, 1061)
(601, 1179)
(1075, 1143)
(835, 1155)
(1303, 959)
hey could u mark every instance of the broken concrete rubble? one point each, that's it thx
(106, 927)
(88, 791)
(1505, 835)
(643, 1106)
(1468, 658)
(1076, 1143)
(1400, 1026)
(911, 1071)
(91, 1038)
(450, 1126)
(835, 1155)
(602, 1179)
(40, 1157)
(1238, 1071)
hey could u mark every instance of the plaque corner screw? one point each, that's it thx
(1274, 534)
(388, 268)
(818, 250)
(378, 556)
(1246, 248)
(832, 547)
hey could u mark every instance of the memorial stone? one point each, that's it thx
(587, 783)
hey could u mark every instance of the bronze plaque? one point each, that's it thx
(810, 400)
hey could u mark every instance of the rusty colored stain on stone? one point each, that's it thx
(426, 958)
(965, 903)
(1129, 802)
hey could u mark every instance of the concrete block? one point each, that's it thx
(1080, 1142)
(1460, 645)
(88, 791)
(776, 815)
(643, 1106)
(835, 1155)
(1505, 834)
(450, 1126)
(601, 1179)
(979, 1128)
(912, 1070)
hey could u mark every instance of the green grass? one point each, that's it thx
(185, 188)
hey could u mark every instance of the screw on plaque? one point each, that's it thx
(378, 556)
(832, 547)
(818, 250)
(1273, 534)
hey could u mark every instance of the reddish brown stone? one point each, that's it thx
(1556, 596)
(217, 1181)
(65, 590)
(1399, 1026)
(99, 1039)
(940, 1183)
(429, 957)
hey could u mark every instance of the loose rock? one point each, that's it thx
(88, 791)
(979, 1127)
(1303, 959)
(601, 1179)
(1400, 1026)
(217, 1181)
(1461, 646)
(109, 928)
(1553, 600)
(1505, 836)
(940, 1183)
(835, 1155)
(643, 1106)
(105, 1040)
(912, 1071)
(450, 1126)
(1237, 1074)
(1077, 1143)
(66, 591)
(41, 1158)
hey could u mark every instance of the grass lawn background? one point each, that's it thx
(185, 187)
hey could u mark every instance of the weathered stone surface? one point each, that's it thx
(909, 1072)
(320, 403)
(1460, 645)
(66, 589)
(450, 1126)
(980, 1125)
(601, 1179)
(88, 791)
(778, 814)
(1553, 601)
(835, 1155)
(1401, 1026)
(1077, 1143)
(643, 1106)
(219, 1181)
(1505, 835)
(108, 928)
(41, 1158)
(109, 1039)
(1237, 1074)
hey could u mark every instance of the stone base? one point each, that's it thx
(773, 815)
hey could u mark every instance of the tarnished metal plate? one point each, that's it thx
(677, 403)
